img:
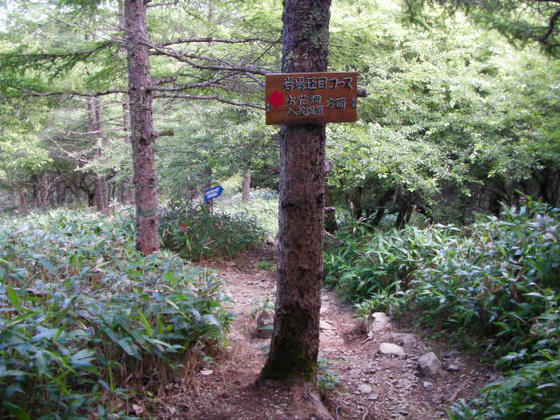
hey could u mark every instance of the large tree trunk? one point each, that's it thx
(295, 339)
(246, 192)
(142, 133)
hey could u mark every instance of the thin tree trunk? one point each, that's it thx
(102, 180)
(43, 191)
(126, 117)
(126, 187)
(246, 192)
(95, 127)
(60, 194)
(330, 212)
(295, 339)
(126, 190)
(330, 217)
(15, 198)
(22, 201)
(142, 133)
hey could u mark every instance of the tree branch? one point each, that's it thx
(34, 59)
(169, 132)
(208, 98)
(189, 59)
(215, 40)
(66, 92)
(551, 26)
(207, 83)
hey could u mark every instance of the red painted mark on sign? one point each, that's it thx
(276, 99)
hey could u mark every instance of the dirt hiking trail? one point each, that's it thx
(371, 368)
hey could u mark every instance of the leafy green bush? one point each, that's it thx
(530, 392)
(84, 317)
(498, 279)
(494, 285)
(380, 262)
(262, 208)
(196, 233)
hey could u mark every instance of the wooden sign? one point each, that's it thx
(303, 98)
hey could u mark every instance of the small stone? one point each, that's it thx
(373, 396)
(405, 339)
(429, 364)
(206, 372)
(427, 384)
(138, 409)
(380, 322)
(391, 349)
(408, 340)
(325, 325)
(264, 324)
(388, 364)
(365, 388)
(453, 368)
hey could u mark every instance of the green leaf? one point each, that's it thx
(16, 411)
(129, 348)
(82, 358)
(14, 298)
(45, 333)
(211, 319)
(145, 323)
(50, 268)
(13, 373)
(41, 362)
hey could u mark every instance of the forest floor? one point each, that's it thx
(360, 381)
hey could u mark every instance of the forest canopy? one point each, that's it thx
(473, 117)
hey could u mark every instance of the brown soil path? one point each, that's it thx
(370, 385)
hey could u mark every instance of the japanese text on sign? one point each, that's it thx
(213, 193)
(311, 98)
(313, 83)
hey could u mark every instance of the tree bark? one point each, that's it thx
(126, 189)
(295, 339)
(22, 201)
(330, 216)
(96, 128)
(354, 198)
(246, 192)
(126, 186)
(142, 131)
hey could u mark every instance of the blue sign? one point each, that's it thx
(212, 193)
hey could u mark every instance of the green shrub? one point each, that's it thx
(497, 280)
(262, 208)
(381, 262)
(196, 233)
(85, 318)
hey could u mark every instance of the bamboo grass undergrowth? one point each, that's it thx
(87, 322)
(493, 285)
